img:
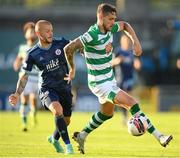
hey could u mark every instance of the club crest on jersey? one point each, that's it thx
(58, 52)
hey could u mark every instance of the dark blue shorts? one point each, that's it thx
(48, 95)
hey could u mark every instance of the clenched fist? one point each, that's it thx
(13, 99)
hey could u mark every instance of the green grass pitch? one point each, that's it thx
(110, 140)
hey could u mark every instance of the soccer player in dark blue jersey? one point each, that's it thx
(55, 91)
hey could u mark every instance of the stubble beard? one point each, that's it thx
(105, 28)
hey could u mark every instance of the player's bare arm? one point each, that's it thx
(126, 27)
(81, 51)
(69, 51)
(22, 83)
(13, 98)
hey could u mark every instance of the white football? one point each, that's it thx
(137, 125)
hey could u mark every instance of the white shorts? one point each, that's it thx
(105, 91)
(31, 87)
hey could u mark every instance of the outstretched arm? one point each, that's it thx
(69, 51)
(129, 31)
(13, 98)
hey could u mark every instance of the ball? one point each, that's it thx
(137, 125)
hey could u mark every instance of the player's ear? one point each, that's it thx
(99, 15)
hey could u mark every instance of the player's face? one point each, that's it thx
(30, 34)
(108, 21)
(46, 33)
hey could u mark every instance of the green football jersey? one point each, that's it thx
(22, 52)
(97, 60)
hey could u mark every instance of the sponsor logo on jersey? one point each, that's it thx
(86, 37)
(58, 52)
(53, 64)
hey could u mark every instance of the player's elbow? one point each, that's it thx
(66, 50)
(124, 25)
(138, 50)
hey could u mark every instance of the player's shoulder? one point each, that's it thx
(23, 46)
(60, 40)
(33, 49)
(91, 34)
(93, 30)
(116, 27)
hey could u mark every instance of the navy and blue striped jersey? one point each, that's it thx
(51, 63)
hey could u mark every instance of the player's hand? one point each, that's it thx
(108, 48)
(70, 76)
(13, 99)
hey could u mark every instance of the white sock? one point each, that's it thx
(156, 134)
(83, 134)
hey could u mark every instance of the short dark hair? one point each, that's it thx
(106, 8)
(28, 25)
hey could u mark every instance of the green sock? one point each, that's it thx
(150, 128)
(96, 120)
(135, 110)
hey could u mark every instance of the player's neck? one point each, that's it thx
(44, 45)
(101, 27)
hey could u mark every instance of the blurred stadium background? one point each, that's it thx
(157, 23)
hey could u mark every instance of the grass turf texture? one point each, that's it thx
(110, 140)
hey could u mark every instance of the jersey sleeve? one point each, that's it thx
(86, 38)
(61, 40)
(28, 64)
(115, 27)
(65, 41)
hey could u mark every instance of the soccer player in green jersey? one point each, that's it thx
(97, 45)
(31, 90)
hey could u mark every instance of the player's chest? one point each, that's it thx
(51, 59)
